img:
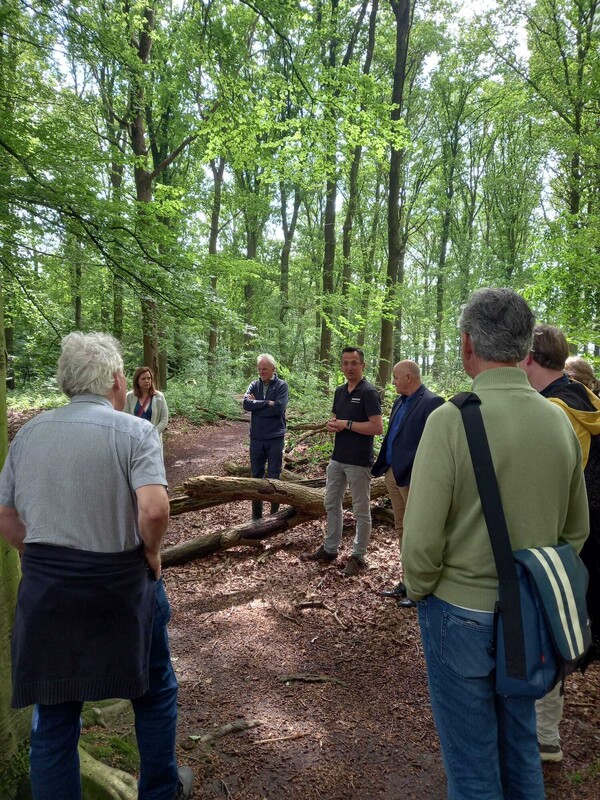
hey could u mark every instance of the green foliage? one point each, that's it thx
(580, 777)
(14, 772)
(40, 396)
(115, 750)
(499, 184)
(199, 402)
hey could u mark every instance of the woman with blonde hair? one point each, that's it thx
(146, 402)
(581, 370)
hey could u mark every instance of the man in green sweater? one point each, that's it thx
(488, 741)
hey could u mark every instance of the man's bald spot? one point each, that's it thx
(408, 366)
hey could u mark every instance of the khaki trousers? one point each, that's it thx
(398, 496)
(549, 712)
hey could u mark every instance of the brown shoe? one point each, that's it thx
(354, 565)
(319, 555)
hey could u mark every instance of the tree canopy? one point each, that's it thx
(211, 180)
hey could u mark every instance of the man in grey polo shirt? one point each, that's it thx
(83, 498)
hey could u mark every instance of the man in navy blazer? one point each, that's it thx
(407, 420)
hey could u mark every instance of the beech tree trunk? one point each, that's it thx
(403, 15)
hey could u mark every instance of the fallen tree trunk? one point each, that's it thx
(307, 426)
(225, 490)
(304, 496)
(195, 500)
(205, 490)
(247, 533)
(234, 470)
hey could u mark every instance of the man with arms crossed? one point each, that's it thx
(266, 399)
(356, 420)
(409, 414)
(488, 741)
(83, 497)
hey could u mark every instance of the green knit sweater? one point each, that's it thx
(446, 549)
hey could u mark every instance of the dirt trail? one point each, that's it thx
(364, 729)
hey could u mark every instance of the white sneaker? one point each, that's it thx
(550, 752)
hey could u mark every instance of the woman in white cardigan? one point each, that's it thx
(146, 402)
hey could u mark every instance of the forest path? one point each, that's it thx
(363, 729)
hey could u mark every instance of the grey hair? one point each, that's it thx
(267, 357)
(88, 362)
(500, 324)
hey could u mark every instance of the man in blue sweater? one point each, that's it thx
(266, 400)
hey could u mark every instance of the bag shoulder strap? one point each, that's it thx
(491, 503)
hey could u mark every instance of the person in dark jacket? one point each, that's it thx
(266, 399)
(409, 414)
(545, 368)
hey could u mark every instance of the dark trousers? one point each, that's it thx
(263, 452)
(590, 555)
(55, 730)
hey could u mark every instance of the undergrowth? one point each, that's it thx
(39, 395)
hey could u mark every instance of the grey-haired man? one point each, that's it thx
(83, 497)
(266, 399)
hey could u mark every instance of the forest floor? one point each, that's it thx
(364, 729)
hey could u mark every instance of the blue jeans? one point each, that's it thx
(54, 761)
(339, 476)
(488, 742)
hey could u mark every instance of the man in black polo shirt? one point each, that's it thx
(356, 420)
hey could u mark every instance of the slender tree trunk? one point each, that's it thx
(77, 295)
(354, 171)
(218, 169)
(443, 252)
(329, 232)
(370, 267)
(328, 282)
(288, 236)
(403, 16)
(117, 306)
(150, 337)
(162, 362)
